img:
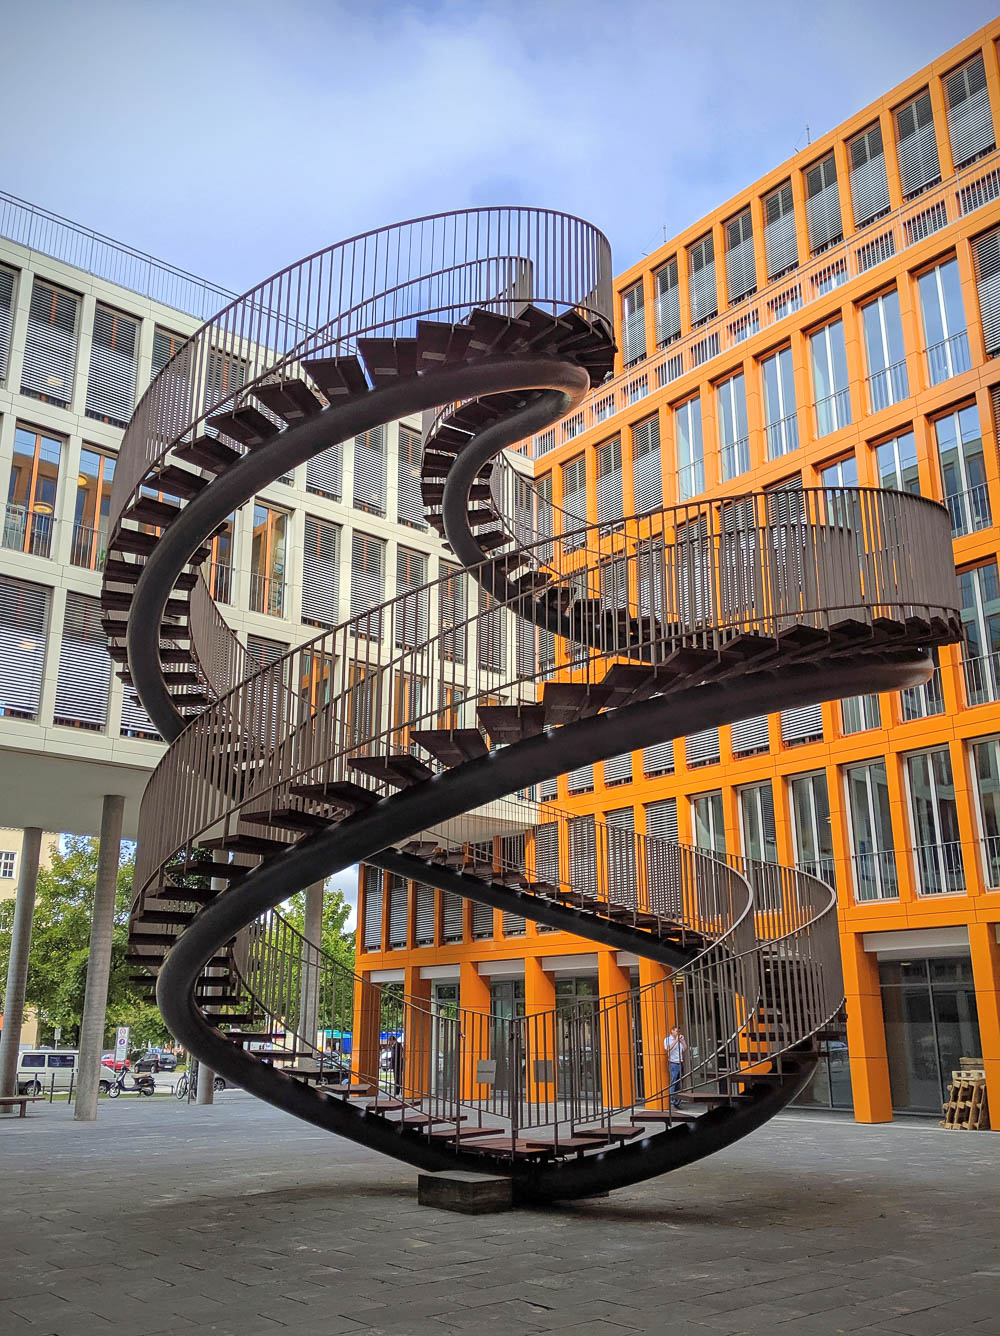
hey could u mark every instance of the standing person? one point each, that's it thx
(394, 1050)
(676, 1046)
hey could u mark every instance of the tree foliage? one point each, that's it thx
(336, 1000)
(60, 947)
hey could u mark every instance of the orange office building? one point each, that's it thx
(837, 323)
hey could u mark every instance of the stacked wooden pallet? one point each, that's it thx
(966, 1107)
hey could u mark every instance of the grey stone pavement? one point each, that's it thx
(237, 1219)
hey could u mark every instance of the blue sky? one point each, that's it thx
(233, 136)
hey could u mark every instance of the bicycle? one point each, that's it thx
(185, 1083)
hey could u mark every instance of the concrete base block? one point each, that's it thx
(470, 1194)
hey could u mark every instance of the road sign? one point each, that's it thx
(121, 1043)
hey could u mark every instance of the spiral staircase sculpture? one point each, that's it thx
(385, 741)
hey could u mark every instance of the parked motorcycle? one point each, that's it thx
(139, 1082)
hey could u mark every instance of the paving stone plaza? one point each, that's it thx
(236, 1219)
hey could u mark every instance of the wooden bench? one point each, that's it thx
(8, 1102)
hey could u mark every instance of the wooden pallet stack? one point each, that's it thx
(966, 1108)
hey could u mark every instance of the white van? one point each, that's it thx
(40, 1070)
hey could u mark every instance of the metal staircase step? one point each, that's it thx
(566, 702)
(510, 723)
(451, 746)
(149, 510)
(292, 400)
(338, 378)
(208, 452)
(150, 914)
(400, 770)
(241, 843)
(176, 481)
(204, 867)
(288, 818)
(341, 793)
(387, 360)
(247, 424)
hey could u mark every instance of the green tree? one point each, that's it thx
(60, 946)
(336, 985)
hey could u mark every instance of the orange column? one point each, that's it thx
(365, 1039)
(865, 1033)
(657, 1014)
(985, 950)
(416, 1034)
(540, 1046)
(474, 1001)
(616, 1032)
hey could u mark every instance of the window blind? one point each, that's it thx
(369, 471)
(50, 344)
(781, 246)
(613, 584)
(581, 780)
(574, 500)
(6, 307)
(111, 384)
(451, 916)
(492, 633)
(750, 735)
(548, 789)
(324, 472)
(482, 920)
(803, 724)
(373, 909)
(663, 872)
(647, 474)
(225, 375)
(409, 502)
(397, 912)
(823, 218)
(583, 854)
(423, 929)
(668, 304)
(24, 618)
(869, 186)
(320, 572)
(741, 266)
(452, 612)
(702, 296)
(84, 666)
(916, 145)
(547, 852)
(135, 722)
(618, 769)
(986, 250)
(609, 482)
(165, 345)
(620, 856)
(367, 581)
(970, 121)
(658, 759)
(633, 324)
(702, 748)
(413, 615)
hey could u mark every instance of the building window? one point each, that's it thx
(760, 843)
(780, 423)
(7, 277)
(702, 296)
(916, 145)
(986, 250)
(267, 561)
(165, 345)
(321, 573)
(734, 434)
(219, 568)
(873, 856)
(412, 615)
(647, 468)
(111, 383)
(897, 464)
(93, 504)
(929, 1011)
(963, 470)
(609, 482)
(574, 502)
(491, 633)
(24, 619)
(663, 879)
(409, 501)
(452, 613)
(780, 242)
(970, 121)
(84, 666)
(367, 585)
(324, 473)
(811, 828)
(844, 473)
(986, 770)
(937, 844)
(31, 493)
(398, 912)
(225, 376)
(633, 325)
(980, 586)
(823, 218)
(708, 822)
(869, 187)
(690, 449)
(859, 713)
(831, 393)
(50, 345)
(369, 471)
(668, 304)
(925, 700)
(8, 864)
(884, 352)
(946, 343)
(741, 266)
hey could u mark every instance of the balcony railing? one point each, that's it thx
(833, 412)
(27, 530)
(735, 458)
(875, 876)
(888, 387)
(89, 546)
(939, 868)
(969, 511)
(691, 479)
(948, 358)
(267, 595)
(922, 701)
(937, 208)
(991, 860)
(982, 678)
(782, 436)
(824, 868)
(220, 582)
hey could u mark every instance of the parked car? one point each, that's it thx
(156, 1062)
(116, 1064)
(42, 1070)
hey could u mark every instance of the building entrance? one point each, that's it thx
(929, 1008)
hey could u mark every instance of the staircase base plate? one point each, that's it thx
(465, 1192)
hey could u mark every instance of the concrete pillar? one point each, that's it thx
(866, 1033)
(17, 968)
(312, 931)
(540, 1055)
(985, 950)
(204, 1078)
(615, 1032)
(102, 925)
(416, 1034)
